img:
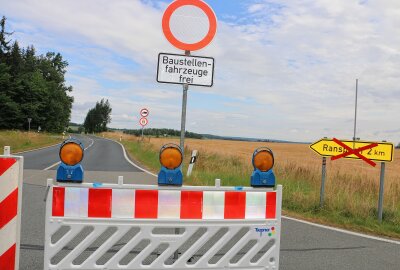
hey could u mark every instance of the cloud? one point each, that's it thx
(283, 70)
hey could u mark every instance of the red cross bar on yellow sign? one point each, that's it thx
(383, 151)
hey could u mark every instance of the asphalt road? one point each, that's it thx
(302, 246)
(100, 155)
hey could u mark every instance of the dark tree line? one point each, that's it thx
(32, 86)
(160, 132)
(98, 117)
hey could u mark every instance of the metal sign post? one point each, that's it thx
(381, 189)
(323, 177)
(183, 17)
(143, 121)
(183, 117)
(29, 124)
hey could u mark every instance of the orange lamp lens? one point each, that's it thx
(171, 158)
(71, 154)
(263, 161)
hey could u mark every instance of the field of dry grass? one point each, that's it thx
(287, 154)
(351, 189)
(21, 141)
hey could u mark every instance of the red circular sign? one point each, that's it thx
(143, 121)
(144, 112)
(189, 46)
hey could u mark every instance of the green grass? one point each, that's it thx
(22, 141)
(350, 210)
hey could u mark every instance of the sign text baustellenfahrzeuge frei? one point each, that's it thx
(182, 69)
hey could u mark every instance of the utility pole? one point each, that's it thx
(355, 116)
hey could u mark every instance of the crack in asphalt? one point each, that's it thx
(317, 249)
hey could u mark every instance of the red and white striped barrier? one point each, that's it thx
(159, 204)
(117, 226)
(11, 169)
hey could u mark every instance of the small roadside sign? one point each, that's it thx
(182, 69)
(377, 151)
(143, 121)
(144, 112)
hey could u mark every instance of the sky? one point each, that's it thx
(283, 69)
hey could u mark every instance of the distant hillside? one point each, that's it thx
(231, 138)
(161, 132)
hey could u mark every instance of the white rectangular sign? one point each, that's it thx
(183, 69)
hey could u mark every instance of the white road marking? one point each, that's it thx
(344, 231)
(51, 166)
(58, 162)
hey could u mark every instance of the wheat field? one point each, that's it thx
(287, 154)
(351, 189)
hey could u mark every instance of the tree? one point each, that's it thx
(98, 117)
(32, 87)
(4, 43)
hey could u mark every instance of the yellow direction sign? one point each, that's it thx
(329, 148)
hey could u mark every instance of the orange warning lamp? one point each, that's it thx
(263, 161)
(171, 159)
(71, 155)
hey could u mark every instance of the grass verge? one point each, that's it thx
(350, 207)
(22, 141)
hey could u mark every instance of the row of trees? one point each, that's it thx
(157, 132)
(32, 86)
(98, 117)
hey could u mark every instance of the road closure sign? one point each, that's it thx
(183, 69)
(378, 151)
(144, 112)
(189, 25)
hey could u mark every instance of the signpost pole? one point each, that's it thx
(381, 189)
(142, 133)
(29, 124)
(183, 117)
(323, 177)
(355, 116)
(182, 140)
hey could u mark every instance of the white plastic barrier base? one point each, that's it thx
(151, 227)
